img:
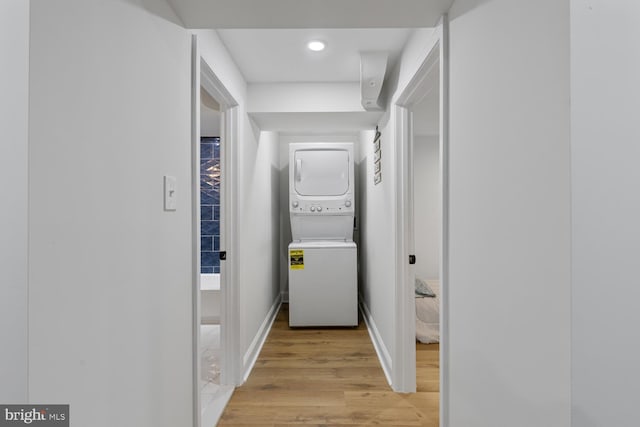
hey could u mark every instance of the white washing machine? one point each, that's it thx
(323, 284)
(323, 287)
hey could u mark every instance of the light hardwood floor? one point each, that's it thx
(330, 377)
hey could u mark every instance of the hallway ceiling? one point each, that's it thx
(281, 55)
(267, 40)
(218, 14)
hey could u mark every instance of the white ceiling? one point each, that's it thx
(267, 40)
(281, 55)
(309, 13)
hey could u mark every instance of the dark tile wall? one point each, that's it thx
(210, 205)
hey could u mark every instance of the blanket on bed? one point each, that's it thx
(428, 315)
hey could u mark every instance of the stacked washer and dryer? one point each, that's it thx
(323, 289)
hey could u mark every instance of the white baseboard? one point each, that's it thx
(376, 338)
(252, 353)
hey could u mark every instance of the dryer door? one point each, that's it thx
(321, 172)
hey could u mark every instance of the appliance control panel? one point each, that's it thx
(324, 207)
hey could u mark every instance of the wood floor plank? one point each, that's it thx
(330, 377)
(321, 385)
(288, 398)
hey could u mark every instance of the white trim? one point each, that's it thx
(230, 369)
(195, 226)
(376, 339)
(212, 84)
(420, 87)
(404, 376)
(212, 413)
(414, 92)
(444, 238)
(229, 295)
(250, 357)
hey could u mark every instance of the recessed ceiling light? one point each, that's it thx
(316, 45)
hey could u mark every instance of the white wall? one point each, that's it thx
(259, 211)
(299, 108)
(509, 214)
(14, 111)
(110, 310)
(304, 97)
(258, 203)
(427, 206)
(413, 55)
(209, 121)
(377, 236)
(378, 206)
(605, 96)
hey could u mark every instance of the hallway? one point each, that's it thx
(330, 377)
(99, 276)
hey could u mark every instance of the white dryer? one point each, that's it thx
(322, 257)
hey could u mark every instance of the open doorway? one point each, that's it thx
(422, 114)
(213, 394)
(427, 231)
(215, 302)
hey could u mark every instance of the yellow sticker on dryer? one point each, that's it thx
(296, 259)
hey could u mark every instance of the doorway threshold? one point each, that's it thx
(214, 400)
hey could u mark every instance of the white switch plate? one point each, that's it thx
(170, 200)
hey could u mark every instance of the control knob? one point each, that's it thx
(348, 203)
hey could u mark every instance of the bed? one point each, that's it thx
(428, 313)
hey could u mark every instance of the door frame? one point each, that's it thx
(437, 58)
(202, 75)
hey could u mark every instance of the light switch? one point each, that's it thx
(170, 200)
